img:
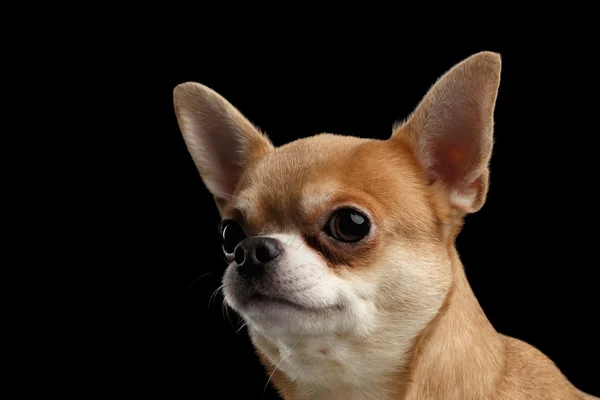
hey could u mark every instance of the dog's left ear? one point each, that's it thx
(222, 141)
(451, 130)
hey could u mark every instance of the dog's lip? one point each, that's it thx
(266, 298)
(261, 297)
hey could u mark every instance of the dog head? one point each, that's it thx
(336, 235)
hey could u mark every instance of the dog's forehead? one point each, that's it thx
(299, 177)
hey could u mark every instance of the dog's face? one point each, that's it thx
(332, 234)
(335, 235)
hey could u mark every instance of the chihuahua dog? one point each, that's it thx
(341, 250)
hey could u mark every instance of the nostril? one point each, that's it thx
(254, 254)
(240, 256)
(262, 254)
(267, 251)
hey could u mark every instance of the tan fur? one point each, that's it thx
(423, 333)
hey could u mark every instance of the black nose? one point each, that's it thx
(253, 254)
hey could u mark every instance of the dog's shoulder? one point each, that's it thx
(530, 374)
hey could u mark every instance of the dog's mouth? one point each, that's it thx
(265, 299)
(271, 301)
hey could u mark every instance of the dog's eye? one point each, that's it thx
(231, 235)
(348, 225)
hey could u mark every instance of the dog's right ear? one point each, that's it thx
(221, 141)
(451, 130)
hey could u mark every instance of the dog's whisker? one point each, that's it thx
(241, 327)
(197, 279)
(279, 363)
(215, 293)
(226, 312)
(293, 240)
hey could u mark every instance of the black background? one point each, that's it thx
(529, 253)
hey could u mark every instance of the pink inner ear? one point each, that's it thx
(226, 180)
(224, 148)
(455, 146)
(452, 160)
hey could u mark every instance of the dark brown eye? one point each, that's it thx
(348, 225)
(231, 235)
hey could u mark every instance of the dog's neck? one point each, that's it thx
(459, 355)
(456, 351)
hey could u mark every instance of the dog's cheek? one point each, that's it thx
(413, 283)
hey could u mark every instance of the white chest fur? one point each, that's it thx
(334, 367)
